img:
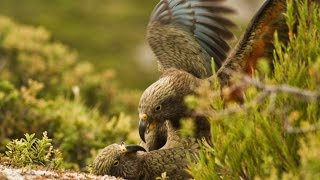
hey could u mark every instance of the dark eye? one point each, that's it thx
(158, 108)
(116, 163)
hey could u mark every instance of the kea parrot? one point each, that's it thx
(133, 162)
(185, 35)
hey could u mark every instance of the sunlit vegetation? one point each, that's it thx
(275, 134)
(43, 87)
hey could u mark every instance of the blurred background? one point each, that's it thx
(108, 33)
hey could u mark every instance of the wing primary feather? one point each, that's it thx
(187, 15)
(220, 19)
(163, 15)
(211, 52)
(175, 3)
(213, 35)
(159, 9)
(213, 6)
(211, 43)
(215, 26)
(178, 27)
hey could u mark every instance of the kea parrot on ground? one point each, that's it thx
(185, 35)
(133, 162)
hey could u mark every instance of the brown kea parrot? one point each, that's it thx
(133, 162)
(184, 35)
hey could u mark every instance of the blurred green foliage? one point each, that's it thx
(44, 87)
(275, 134)
(105, 32)
(28, 53)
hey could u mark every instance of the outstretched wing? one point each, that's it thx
(185, 34)
(257, 41)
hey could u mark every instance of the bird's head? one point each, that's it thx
(118, 160)
(163, 100)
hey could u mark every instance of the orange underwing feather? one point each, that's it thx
(257, 41)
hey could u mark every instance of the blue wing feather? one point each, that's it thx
(204, 21)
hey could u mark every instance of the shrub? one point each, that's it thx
(43, 87)
(76, 130)
(31, 151)
(275, 133)
(29, 53)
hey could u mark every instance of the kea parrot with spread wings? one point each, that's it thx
(185, 35)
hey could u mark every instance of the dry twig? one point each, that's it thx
(302, 130)
(307, 95)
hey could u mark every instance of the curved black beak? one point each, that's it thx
(142, 129)
(134, 148)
